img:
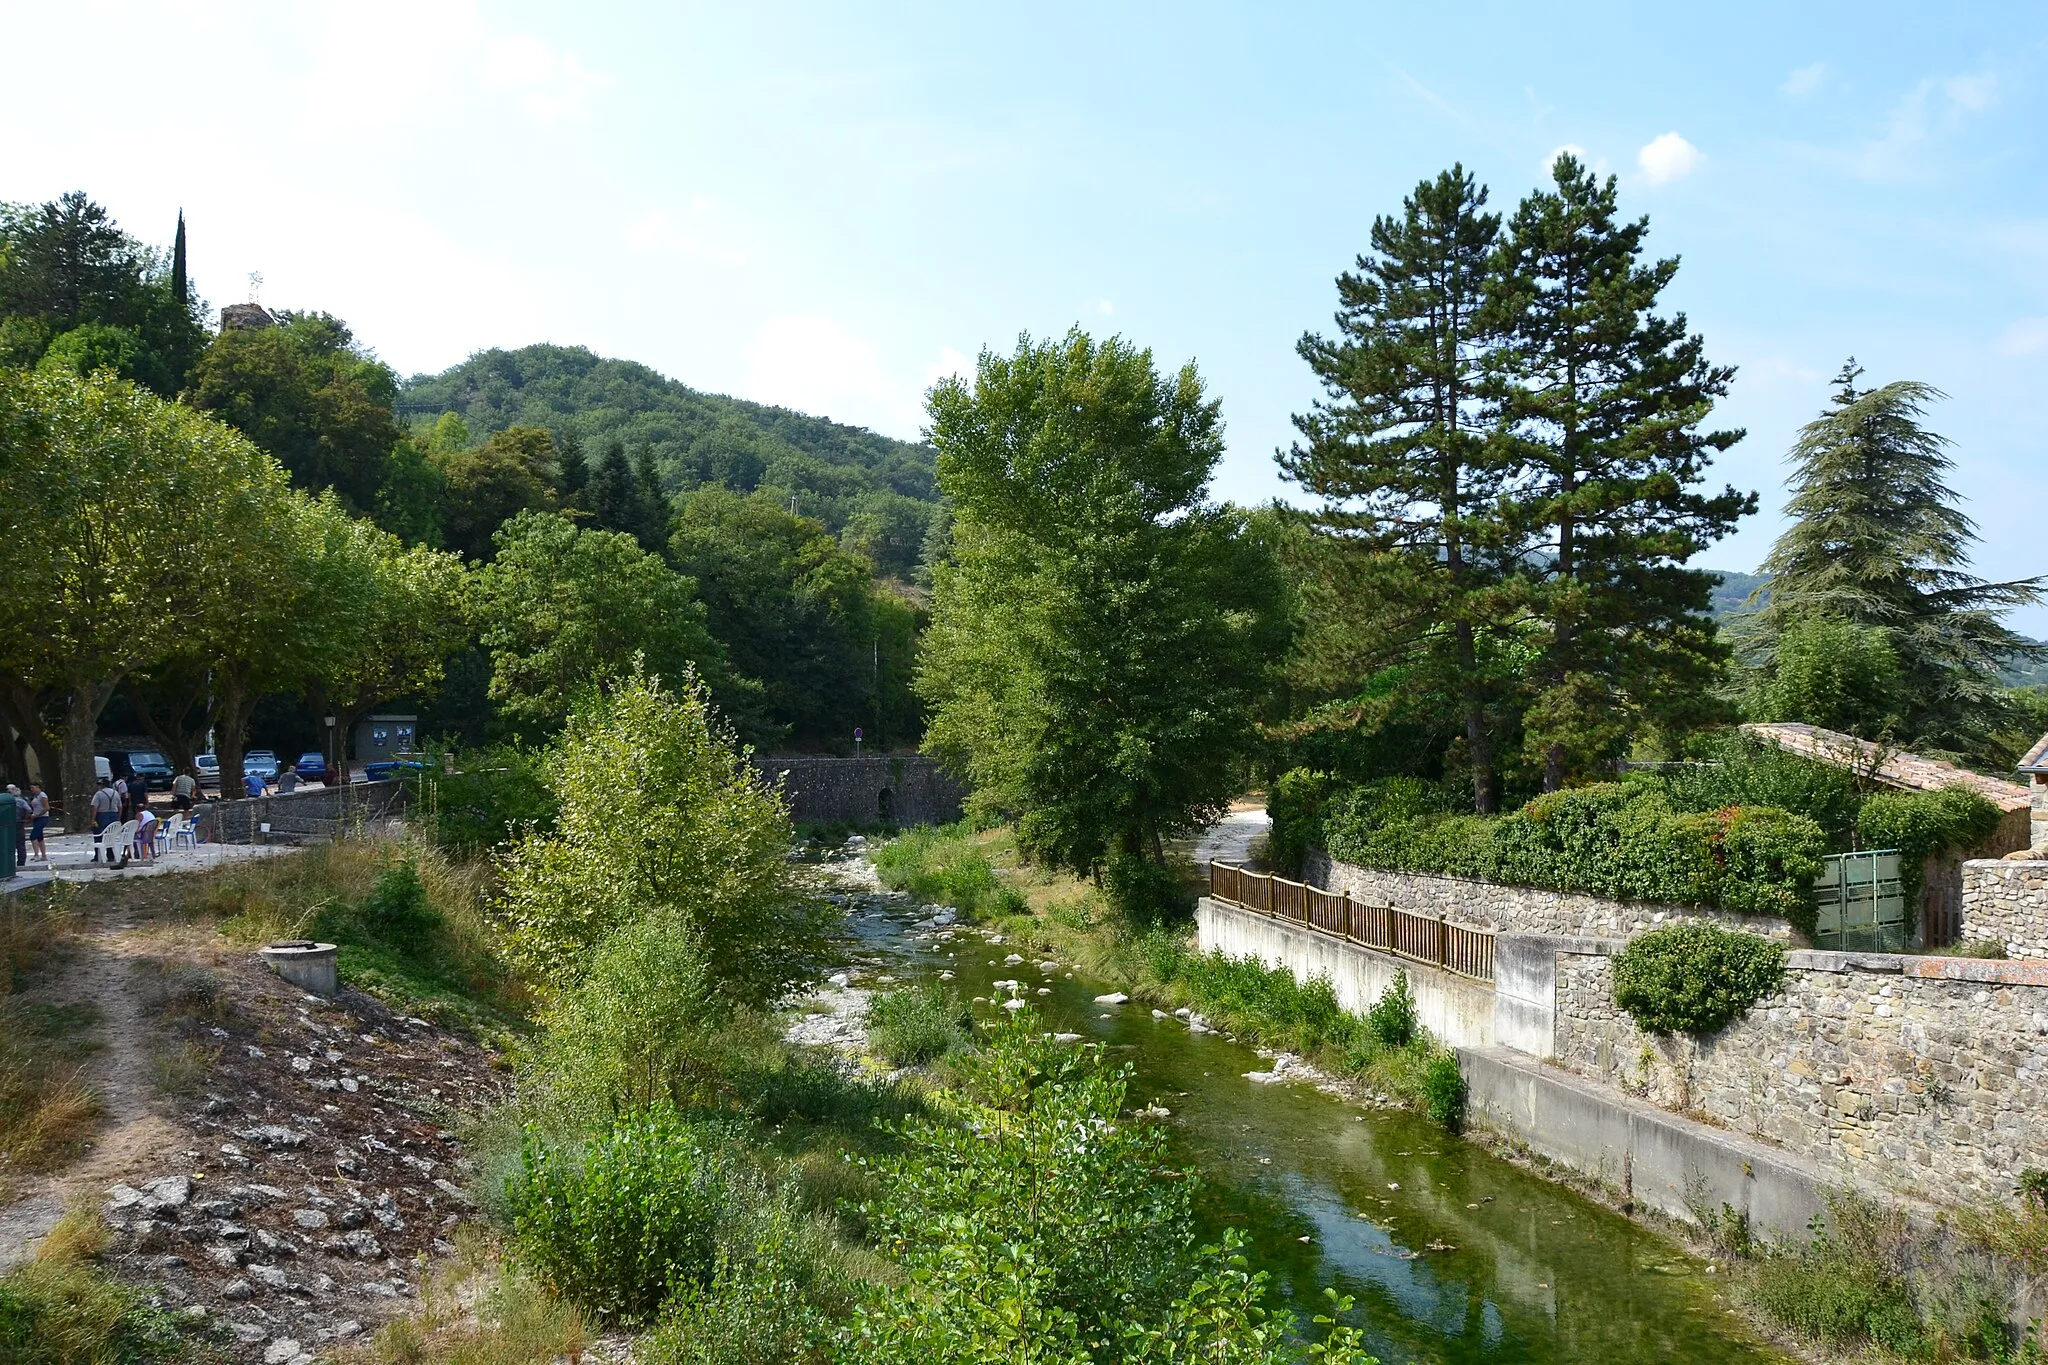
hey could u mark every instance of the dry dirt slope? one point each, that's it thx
(279, 1165)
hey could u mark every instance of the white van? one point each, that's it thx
(101, 769)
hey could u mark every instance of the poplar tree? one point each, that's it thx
(1604, 406)
(1878, 542)
(180, 289)
(1399, 452)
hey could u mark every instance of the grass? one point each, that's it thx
(57, 1309)
(477, 1311)
(982, 874)
(46, 1109)
(917, 1024)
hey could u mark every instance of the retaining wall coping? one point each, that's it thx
(1990, 970)
(2007, 864)
(1584, 945)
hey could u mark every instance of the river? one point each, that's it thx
(1452, 1254)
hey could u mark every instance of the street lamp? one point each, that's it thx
(856, 741)
(333, 759)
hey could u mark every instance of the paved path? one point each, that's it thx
(1230, 839)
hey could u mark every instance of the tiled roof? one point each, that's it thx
(2036, 760)
(1909, 771)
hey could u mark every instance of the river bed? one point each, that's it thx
(1452, 1254)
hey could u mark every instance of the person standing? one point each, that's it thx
(288, 780)
(38, 820)
(252, 783)
(16, 812)
(184, 790)
(106, 810)
(138, 795)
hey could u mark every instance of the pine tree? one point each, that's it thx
(613, 496)
(575, 470)
(1399, 453)
(1878, 541)
(180, 289)
(652, 512)
(1604, 402)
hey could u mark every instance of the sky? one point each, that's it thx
(829, 207)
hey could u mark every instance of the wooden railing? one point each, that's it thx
(1428, 939)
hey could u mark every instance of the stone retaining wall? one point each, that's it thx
(309, 813)
(1522, 909)
(1923, 1076)
(905, 789)
(2007, 903)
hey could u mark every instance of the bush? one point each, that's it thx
(59, 1313)
(1443, 1089)
(484, 800)
(945, 865)
(1850, 1285)
(622, 1220)
(1922, 825)
(659, 813)
(1146, 893)
(916, 1024)
(1695, 978)
(1296, 807)
(1735, 769)
(775, 1297)
(1391, 1020)
(1622, 840)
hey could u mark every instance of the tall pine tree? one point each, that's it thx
(575, 470)
(652, 512)
(180, 288)
(1398, 451)
(1878, 542)
(614, 498)
(1604, 406)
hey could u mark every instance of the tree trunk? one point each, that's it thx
(81, 739)
(18, 703)
(179, 743)
(13, 752)
(1477, 745)
(231, 732)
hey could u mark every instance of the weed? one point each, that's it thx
(946, 865)
(917, 1024)
(181, 1070)
(56, 1311)
(1443, 1092)
(1392, 1018)
(46, 1108)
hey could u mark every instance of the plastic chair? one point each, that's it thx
(119, 835)
(181, 832)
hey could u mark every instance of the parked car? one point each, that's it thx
(312, 767)
(262, 762)
(209, 770)
(401, 765)
(151, 766)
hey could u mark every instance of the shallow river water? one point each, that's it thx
(1451, 1254)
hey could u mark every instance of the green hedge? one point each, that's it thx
(1921, 824)
(1622, 840)
(1695, 978)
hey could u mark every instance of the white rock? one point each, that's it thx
(309, 1219)
(1048, 966)
(1045, 990)
(267, 1275)
(945, 976)
(1161, 1014)
(840, 979)
(1013, 1004)
(1012, 960)
(1262, 1077)
(1183, 1013)
(1066, 1037)
(1113, 998)
(280, 1352)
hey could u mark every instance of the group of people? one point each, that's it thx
(33, 813)
(118, 800)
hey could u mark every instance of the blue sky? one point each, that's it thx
(830, 206)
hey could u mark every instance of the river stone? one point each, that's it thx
(1113, 998)
(1013, 1004)
(1262, 1077)
(1066, 1037)
(309, 1219)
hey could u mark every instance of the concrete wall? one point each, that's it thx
(1522, 909)
(1923, 1076)
(907, 789)
(1669, 1163)
(1453, 1008)
(2007, 903)
(309, 813)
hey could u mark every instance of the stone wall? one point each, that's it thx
(2007, 902)
(1522, 909)
(1922, 1076)
(306, 814)
(907, 789)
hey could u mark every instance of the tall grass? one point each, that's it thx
(946, 865)
(57, 1309)
(46, 1109)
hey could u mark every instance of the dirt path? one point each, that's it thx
(1230, 839)
(101, 968)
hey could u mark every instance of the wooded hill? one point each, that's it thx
(838, 472)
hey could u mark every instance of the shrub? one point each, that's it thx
(1735, 769)
(630, 1215)
(659, 813)
(485, 799)
(1921, 825)
(916, 1024)
(775, 1297)
(945, 865)
(1296, 806)
(1146, 893)
(1850, 1285)
(64, 1313)
(1443, 1089)
(1695, 978)
(1391, 1020)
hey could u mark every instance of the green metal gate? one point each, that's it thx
(1862, 905)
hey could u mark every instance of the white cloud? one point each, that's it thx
(2028, 336)
(819, 366)
(702, 232)
(1666, 158)
(550, 84)
(1931, 108)
(1105, 307)
(1572, 149)
(1806, 80)
(949, 364)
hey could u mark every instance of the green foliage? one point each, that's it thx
(913, 1025)
(1877, 542)
(1296, 805)
(1443, 1092)
(1612, 839)
(1923, 824)
(776, 1296)
(513, 471)
(1146, 893)
(1848, 1286)
(483, 800)
(66, 1313)
(658, 813)
(945, 864)
(564, 609)
(1051, 1228)
(1734, 769)
(618, 1222)
(1695, 978)
(1832, 673)
(2033, 1187)
(1101, 634)
(1392, 1020)
(840, 474)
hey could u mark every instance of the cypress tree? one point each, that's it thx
(652, 506)
(1398, 451)
(1604, 404)
(575, 470)
(180, 291)
(1877, 541)
(614, 499)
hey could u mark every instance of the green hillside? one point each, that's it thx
(884, 489)
(1732, 590)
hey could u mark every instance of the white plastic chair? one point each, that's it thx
(180, 832)
(117, 836)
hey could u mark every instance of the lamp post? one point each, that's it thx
(333, 759)
(856, 741)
